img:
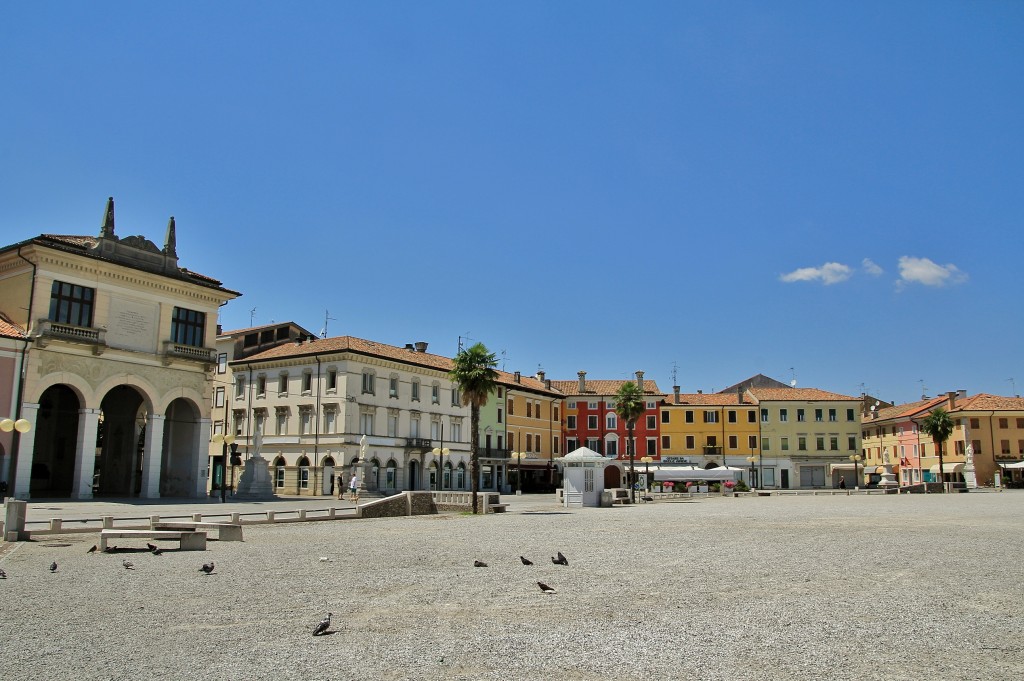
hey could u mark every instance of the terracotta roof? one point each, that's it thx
(802, 394)
(239, 332)
(709, 400)
(905, 410)
(987, 402)
(526, 382)
(598, 387)
(9, 329)
(338, 344)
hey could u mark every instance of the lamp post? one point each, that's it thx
(519, 473)
(647, 471)
(224, 441)
(855, 458)
(21, 426)
(439, 452)
(752, 458)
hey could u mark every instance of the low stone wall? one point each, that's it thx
(406, 503)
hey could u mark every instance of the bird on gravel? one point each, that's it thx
(128, 565)
(323, 625)
(93, 549)
(3, 575)
(207, 568)
(151, 547)
(157, 551)
(479, 563)
(53, 566)
(560, 560)
(526, 561)
(110, 549)
(545, 588)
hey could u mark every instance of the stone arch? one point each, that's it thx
(391, 475)
(55, 449)
(180, 449)
(78, 385)
(612, 477)
(122, 433)
(279, 472)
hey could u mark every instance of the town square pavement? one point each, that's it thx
(780, 587)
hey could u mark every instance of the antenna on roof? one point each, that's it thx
(924, 388)
(252, 316)
(461, 338)
(1013, 386)
(504, 356)
(327, 316)
(675, 368)
(792, 377)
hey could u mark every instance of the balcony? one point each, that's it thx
(173, 351)
(50, 330)
(712, 450)
(419, 443)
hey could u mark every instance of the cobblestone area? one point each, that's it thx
(880, 587)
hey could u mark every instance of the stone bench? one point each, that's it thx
(496, 508)
(225, 531)
(189, 540)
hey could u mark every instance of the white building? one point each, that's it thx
(315, 398)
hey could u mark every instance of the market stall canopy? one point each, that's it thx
(948, 468)
(1019, 465)
(691, 473)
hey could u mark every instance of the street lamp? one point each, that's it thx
(647, 471)
(21, 425)
(224, 441)
(855, 458)
(519, 473)
(439, 452)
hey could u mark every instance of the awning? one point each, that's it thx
(845, 467)
(947, 468)
(688, 473)
(1019, 464)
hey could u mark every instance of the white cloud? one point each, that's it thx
(829, 273)
(924, 271)
(871, 268)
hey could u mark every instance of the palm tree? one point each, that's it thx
(473, 371)
(629, 405)
(940, 426)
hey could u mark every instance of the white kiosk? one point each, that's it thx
(582, 478)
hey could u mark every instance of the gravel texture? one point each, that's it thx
(798, 587)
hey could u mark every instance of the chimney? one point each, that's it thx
(409, 347)
(700, 392)
(421, 346)
(962, 394)
(951, 400)
(640, 381)
(299, 339)
(583, 381)
(675, 394)
(547, 383)
(739, 395)
(540, 376)
(517, 376)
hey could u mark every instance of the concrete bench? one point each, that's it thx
(190, 541)
(225, 531)
(496, 508)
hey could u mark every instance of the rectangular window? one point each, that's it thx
(529, 409)
(282, 385)
(612, 449)
(710, 417)
(592, 405)
(222, 363)
(733, 442)
(850, 415)
(415, 391)
(689, 442)
(652, 446)
(975, 424)
(306, 421)
(1004, 446)
(610, 421)
(307, 383)
(304, 477)
(332, 380)
(764, 416)
(652, 422)
(833, 443)
(1020, 447)
(1020, 423)
(752, 441)
(592, 422)
(218, 397)
(279, 476)
(765, 444)
(689, 417)
(71, 304)
(435, 394)
(801, 443)
(664, 415)
(570, 422)
(188, 327)
(666, 443)
(456, 397)
(1004, 423)
(330, 417)
(783, 415)
(281, 417)
(239, 387)
(819, 442)
(784, 443)
(392, 425)
(554, 444)
(832, 415)
(456, 431)
(218, 427)
(818, 415)
(529, 442)
(261, 386)
(851, 443)
(369, 383)
(393, 386)
(366, 423)
(732, 416)
(800, 416)
(751, 416)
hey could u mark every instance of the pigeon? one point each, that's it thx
(207, 568)
(151, 547)
(157, 551)
(110, 549)
(323, 626)
(53, 566)
(93, 549)
(526, 561)
(128, 565)
(647, 499)
(325, 559)
(479, 563)
(560, 560)
(3, 575)
(545, 588)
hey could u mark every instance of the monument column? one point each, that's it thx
(26, 450)
(152, 458)
(88, 427)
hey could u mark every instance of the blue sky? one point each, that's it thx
(820, 191)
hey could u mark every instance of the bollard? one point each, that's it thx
(270, 516)
(108, 522)
(235, 518)
(153, 521)
(55, 524)
(197, 517)
(302, 514)
(330, 512)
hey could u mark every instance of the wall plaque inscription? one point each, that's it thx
(132, 325)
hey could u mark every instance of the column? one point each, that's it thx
(201, 459)
(152, 458)
(85, 453)
(26, 450)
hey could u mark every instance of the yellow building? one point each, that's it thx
(709, 429)
(533, 429)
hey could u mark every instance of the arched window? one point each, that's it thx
(374, 482)
(304, 473)
(391, 475)
(460, 477)
(279, 472)
(447, 475)
(611, 422)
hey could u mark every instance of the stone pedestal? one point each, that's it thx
(969, 476)
(888, 480)
(255, 482)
